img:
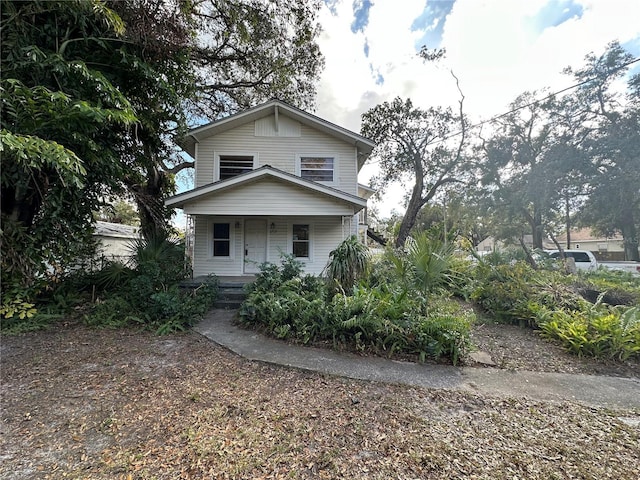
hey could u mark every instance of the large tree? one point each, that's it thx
(94, 97)
(413, 145)
(60, 121)
(529, 165)
(612, 132)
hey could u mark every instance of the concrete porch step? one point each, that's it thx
(230, 295)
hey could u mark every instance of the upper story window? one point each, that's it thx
(233, 165)
(317, 169)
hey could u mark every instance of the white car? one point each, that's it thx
(585, 260)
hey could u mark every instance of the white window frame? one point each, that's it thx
(300, 156)
(310, 241)
(216, 162)
(211, 239)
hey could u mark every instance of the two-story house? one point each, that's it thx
(270, 180)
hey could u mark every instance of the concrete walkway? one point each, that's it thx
(611, 392)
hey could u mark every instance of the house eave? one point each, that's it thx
(363, 145)
(185, 198)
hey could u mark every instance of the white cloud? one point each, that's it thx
(495, 47)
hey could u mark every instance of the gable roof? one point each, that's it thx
(265, 171)
(276, 107)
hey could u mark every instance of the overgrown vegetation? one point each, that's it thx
(145, 292)
(593, 314)
(405, 303)
(388, 312)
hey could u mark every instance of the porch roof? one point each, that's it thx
(322, 192)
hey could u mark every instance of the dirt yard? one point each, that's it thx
(122, 404)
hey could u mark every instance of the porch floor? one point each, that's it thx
(223, 282)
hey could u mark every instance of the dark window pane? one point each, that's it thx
(301, 241)
(221, 239)
(221, 248)
(234, 165)
(580, 256)
(301, 232)
(301, 249)
(221, 230)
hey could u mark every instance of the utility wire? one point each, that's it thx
(535, 102)
(530, 104)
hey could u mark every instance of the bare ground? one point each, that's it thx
(517, 348)
(123, 404)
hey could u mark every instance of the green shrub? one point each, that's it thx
(348, 263)
(148, 293)
(424, 266)
(514, 293)
(385, 318)
(600, 331)
(616, 286)
(271, 276)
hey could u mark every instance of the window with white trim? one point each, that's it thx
(301, 241)
(317, 168)
(230, 166)
(221, 239)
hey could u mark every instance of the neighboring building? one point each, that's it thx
(490, 244)
(115, 239)
(273, 179)
(604, 248)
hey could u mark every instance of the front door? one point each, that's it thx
(255, 245)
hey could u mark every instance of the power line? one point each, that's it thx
(535, 102)
(530, 104)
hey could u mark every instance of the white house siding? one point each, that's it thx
(268, 197)
(278, 151)
(326, 233)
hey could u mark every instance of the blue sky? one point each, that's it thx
(497, 48)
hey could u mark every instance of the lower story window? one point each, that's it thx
(301, 241)
(221, 239)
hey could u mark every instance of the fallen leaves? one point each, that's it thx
(130, 405)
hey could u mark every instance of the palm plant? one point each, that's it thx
(430, 260)
(161, 253)
(424, 265)
(348, 263)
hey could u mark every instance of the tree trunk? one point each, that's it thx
(149, 197)
(630, 236)
(567, 220)
(537, 230)
(409, 219)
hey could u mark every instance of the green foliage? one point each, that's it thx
(148, 293)
(112, 275)
(383, 318)
(59, 124)
(271, 276)
(348, 263)
(38, 321)
(563, 307)
(18, 308)
(425, 266)
(514, 293)
(119, 211)
(599, 331)
(616, 286)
